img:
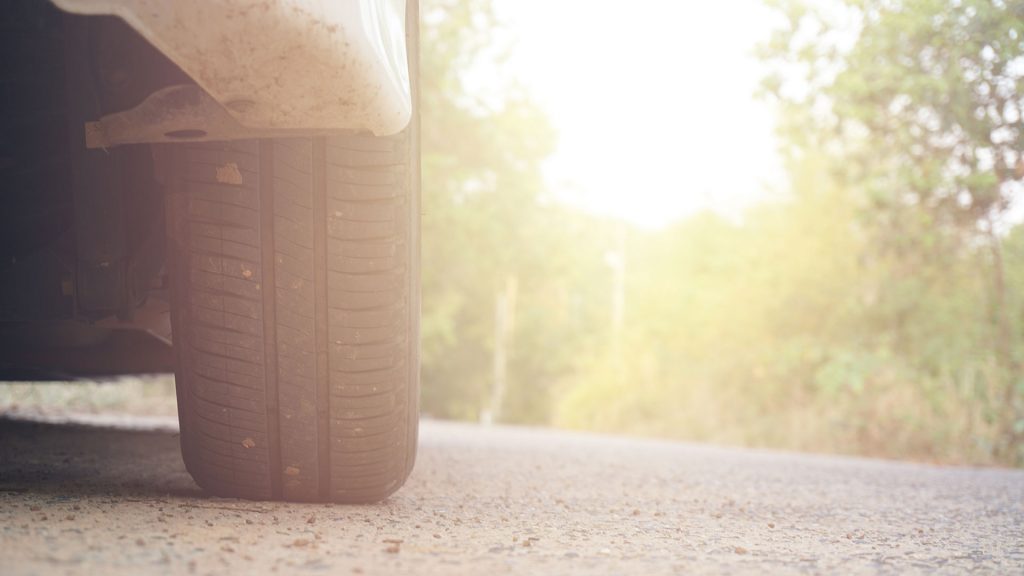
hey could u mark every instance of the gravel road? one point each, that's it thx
(99, 500)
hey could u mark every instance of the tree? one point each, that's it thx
(481, 219)
(920, 104)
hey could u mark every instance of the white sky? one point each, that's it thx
(652, 99)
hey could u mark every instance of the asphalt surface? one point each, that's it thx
(99, 500)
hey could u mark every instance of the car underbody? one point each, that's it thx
(90, 98)
(227, 191)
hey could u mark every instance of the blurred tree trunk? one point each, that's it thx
(504, 326)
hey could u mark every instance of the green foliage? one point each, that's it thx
(918, 106)
(785, 331)
(876, 309)
(482, 221)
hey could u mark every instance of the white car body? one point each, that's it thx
(266, 68)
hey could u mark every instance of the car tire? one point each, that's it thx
(295, 313)
(294, 270)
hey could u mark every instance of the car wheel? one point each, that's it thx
(294, 267)
(295, 307)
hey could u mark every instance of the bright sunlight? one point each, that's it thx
(652, 101)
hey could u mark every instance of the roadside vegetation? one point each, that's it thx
(874, 306)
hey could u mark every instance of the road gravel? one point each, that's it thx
(113, 498)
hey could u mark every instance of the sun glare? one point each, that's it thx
(653, 102)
